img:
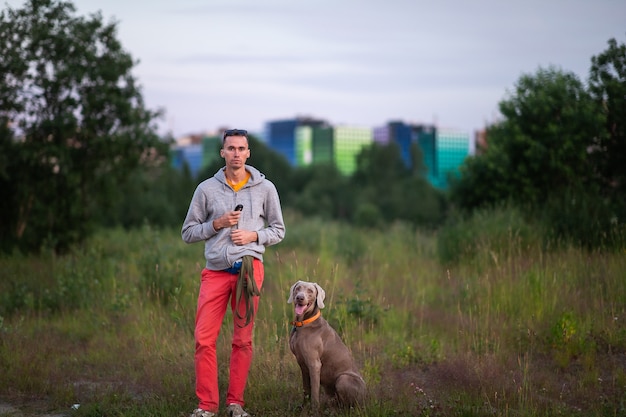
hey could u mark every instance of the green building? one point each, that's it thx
(348, 143)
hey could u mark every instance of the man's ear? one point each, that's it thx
(321, 295)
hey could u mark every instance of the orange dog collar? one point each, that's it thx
(307, 321)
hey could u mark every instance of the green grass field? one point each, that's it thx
(513, 330)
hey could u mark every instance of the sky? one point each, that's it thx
(211, 64)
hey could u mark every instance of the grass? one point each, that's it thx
(513, 330)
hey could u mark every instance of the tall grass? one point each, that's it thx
(508, 329)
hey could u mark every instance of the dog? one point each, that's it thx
(324, 359)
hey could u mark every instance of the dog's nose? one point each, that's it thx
(300, 297)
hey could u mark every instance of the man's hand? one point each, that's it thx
(228, 219)
(241, 237)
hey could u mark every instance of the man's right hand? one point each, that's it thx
(228, 219)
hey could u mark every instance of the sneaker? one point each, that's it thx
(235, 410)
(199, 412)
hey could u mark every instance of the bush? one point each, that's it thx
(484, 232)
(584, 219)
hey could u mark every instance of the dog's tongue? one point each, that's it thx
(299, 309)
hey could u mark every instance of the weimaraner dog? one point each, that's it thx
(323, 357)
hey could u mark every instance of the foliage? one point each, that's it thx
(157, 195)
(73, 123)
(318, 190)
(539, 149)
(607, 84)
(386, 191)
(584, 217)
(493, 232)
(557, 154)
(504, 332)
(382, 189)
(358, 306)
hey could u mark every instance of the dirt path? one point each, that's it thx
(7, 410)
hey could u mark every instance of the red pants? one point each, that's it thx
(216, 290)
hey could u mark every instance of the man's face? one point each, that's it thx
(235, 151)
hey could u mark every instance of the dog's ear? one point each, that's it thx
(290, 300)
(321, 295)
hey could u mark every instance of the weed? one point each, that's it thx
(508, 329)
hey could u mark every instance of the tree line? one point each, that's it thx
(79, 149)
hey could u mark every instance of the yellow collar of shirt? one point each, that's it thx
(238, 186)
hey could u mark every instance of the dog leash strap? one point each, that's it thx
(246, 288)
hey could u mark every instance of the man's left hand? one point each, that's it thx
(242, 237)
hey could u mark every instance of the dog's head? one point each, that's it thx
(305, 296)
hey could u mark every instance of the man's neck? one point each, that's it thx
(235, 175)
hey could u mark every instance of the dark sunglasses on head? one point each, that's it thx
(235, 132)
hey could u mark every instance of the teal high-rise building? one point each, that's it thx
(452, 149)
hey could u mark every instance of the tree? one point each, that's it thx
(386, 190)
(73, 123)
(539, 149)
(319, 190)
(607, 84)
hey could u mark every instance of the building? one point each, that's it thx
(452, 149)
(348, 142)
(426, 138)
(196, 151)
(189, 155)
(306, 141)
(443, 151)
(406, 136)
(280, 135)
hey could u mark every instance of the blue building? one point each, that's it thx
(190, 155)
(281, 136)
(196, 151)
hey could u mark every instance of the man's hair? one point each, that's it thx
(234, 132)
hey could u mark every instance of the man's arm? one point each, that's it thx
(275, 230)
(195, 227)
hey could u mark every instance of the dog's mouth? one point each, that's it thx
(300, 309)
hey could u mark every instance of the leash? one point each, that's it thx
(246, 288)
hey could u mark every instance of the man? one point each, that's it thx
(234, 244)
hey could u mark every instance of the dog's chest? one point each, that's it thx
(298, 340)
(312, 341)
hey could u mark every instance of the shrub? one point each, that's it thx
(496, 231)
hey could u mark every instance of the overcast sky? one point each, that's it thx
(241, 63)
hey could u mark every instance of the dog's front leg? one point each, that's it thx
(315, 368)
(306, 383)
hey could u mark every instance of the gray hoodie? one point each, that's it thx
(261, 212)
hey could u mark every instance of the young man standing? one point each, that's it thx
(237, 214)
